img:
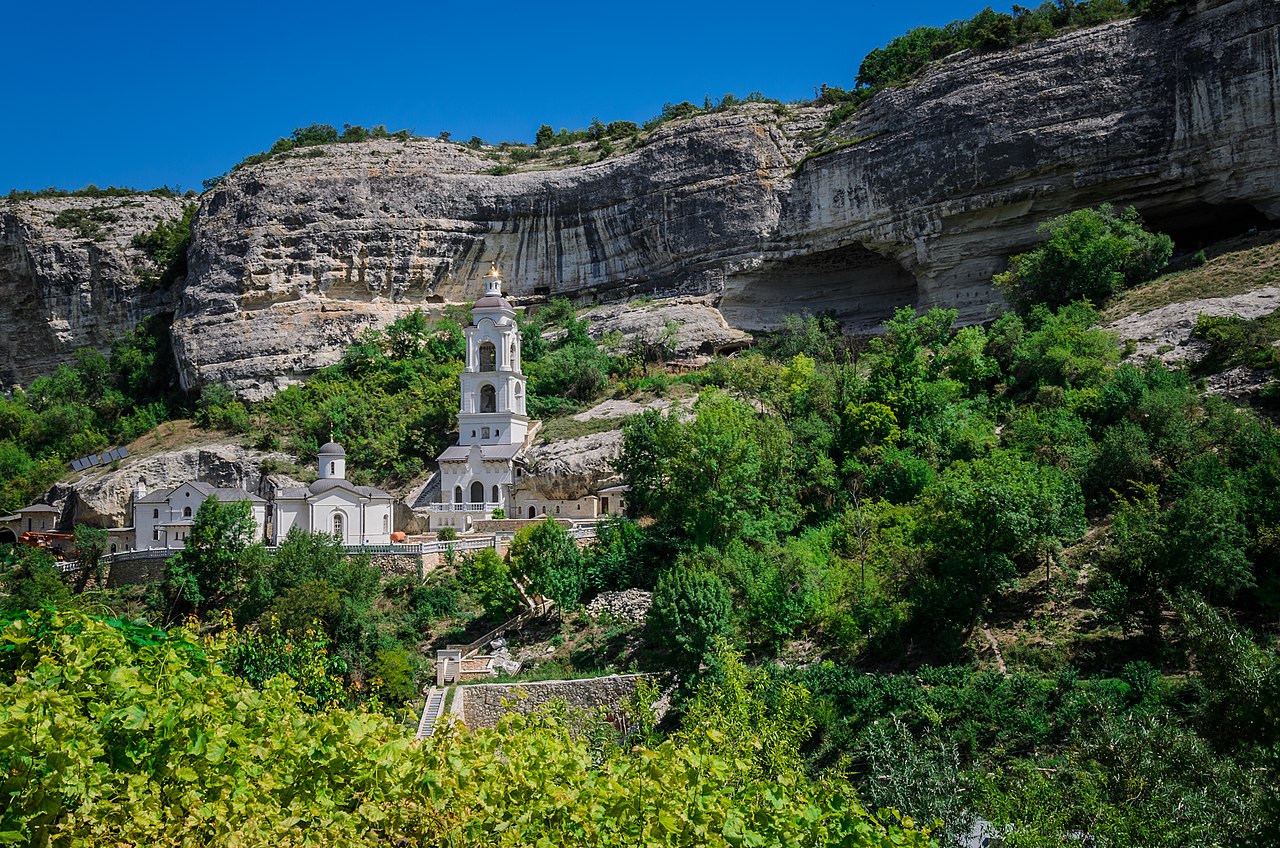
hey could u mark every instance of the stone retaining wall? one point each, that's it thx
(130, 572)
(481, 704)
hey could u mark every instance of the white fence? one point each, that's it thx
(465, 543)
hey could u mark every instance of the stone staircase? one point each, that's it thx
(432, 712)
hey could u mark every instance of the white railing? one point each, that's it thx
(463, 507)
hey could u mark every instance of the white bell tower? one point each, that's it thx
(492, 411)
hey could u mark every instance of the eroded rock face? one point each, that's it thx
(61, 291)
(954, 172)
(947, 177)
(938, 183)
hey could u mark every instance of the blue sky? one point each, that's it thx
(144, 94)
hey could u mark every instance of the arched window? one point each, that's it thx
(386, 523)
(488, 398)
(477, 492)
(337, 526)
(457, 494)
(333, 468)
(495, 495)
(186, 512)
(488, 357)
(155, 513)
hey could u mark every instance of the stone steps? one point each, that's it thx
(431, 712)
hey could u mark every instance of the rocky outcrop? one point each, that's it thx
(70, 277)
(951, 174)
(936, 184)
(101, 496)
(572, 468)
(630, 606)
(681, 326)
(1165, 333)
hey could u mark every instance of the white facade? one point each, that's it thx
(477, 473)
(356, 515)
(162, 519)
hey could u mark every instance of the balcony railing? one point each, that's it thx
(463, 507)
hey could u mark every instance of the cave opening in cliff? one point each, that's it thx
(859, 286)
(1196, 225)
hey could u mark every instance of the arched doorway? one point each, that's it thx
(477, 492)
(533, 512)
(7, 537)
(488, 398)
(488, 357)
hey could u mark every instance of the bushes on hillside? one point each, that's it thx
(1089, 254)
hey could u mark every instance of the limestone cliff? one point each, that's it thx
(938, 183)
(69, 277)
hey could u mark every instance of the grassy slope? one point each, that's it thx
(1235, 266)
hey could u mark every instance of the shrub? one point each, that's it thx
(1088, 254)
(691, 608)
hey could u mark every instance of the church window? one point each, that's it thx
(386, 521)
(495, 495)
(473, 434)
(488, 398)
(155, 513)
(484, 432)
(497, 433)
(488, 357)
(337, 524)
(155, 534)
(557, 509)
(477, 492)
(186, 512)
(457, 494)
(333, 468)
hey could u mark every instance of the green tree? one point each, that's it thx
(547, 556)
(691, 608)
(31, 580)
(726, 473)
(212, 571)
(487, 577)
(91, 544)
(984, 517)
(1088, 254)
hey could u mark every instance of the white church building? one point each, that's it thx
(356, 515)
(162, 519)
(477, 474)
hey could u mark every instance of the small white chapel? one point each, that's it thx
(356, 515)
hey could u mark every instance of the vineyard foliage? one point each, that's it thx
(118, 733)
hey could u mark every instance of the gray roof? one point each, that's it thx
(39, 507)
(224, 495)
(332, 449)
(319, 487)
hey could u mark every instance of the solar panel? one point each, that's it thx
(95, 459)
